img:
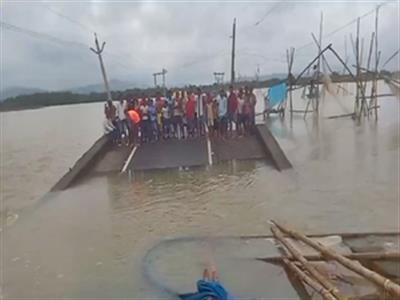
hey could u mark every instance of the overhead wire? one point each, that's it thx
(56, 40)
(115, 56)
(267, 14)
(69, 19)
(43, 36)
(347, 24)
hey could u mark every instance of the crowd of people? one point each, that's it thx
(181, 114)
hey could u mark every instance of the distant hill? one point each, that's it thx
(18, 91)
(115, 85)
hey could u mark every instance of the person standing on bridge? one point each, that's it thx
(240, 116)
(145, 122)
(178, 115)
(247, 111)
(253, 103)
(190, 113)
(122, 122)
(110, 113)
(222, 112)
(134, 117)
(232, 110)
(166, 121)
(153, 132)
(200, 107)
(210, 113)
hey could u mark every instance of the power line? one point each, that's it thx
(69, 19)
(52, 39)
(86, 28)
(42, 36)
(347, 24)
(267, 14)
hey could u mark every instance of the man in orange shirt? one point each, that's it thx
(134, 118)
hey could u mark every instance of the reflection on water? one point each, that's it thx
(89, 241)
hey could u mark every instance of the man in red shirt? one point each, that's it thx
(190, 110)
(232, 109)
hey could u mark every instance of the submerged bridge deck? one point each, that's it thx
(171, 154)
(102, 157)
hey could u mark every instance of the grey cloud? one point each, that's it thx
(192, 40)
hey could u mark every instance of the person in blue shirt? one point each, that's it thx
(208, 288)
(153, 120)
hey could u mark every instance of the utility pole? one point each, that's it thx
(98, 51)
(162, 74)
(219, 77)
(233, 51)
(155, 79)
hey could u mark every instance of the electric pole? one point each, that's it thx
(162, 74)
(98, 51)
(155, 79)
(219, 77)
(233, 51)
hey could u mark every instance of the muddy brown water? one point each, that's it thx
(89, 241)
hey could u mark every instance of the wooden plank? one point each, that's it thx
(272, 148)
(82, 164)
(382, 256)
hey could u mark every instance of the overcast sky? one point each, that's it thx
(190, 40)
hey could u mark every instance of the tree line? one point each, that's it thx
(43, 99)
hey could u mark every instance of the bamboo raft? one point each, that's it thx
(315, 266)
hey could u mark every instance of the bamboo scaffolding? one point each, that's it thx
(306, 264)
(374, 256)
(323, 56)
(379, 280)
(311, 63)
(308, 280)
(347, 68)
(377, 57)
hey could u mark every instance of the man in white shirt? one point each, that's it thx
(200, 112)
(222, 112)
(123, 128)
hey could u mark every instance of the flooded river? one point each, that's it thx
(90, 240)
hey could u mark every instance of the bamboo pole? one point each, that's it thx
(374, 277)
(357, 104)
(291, 84)
(341, 116)
(288, 57)
(308, 280)
(306, 264)
(371, 45)
(381, 256)
(319, 61)
(377, 56)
